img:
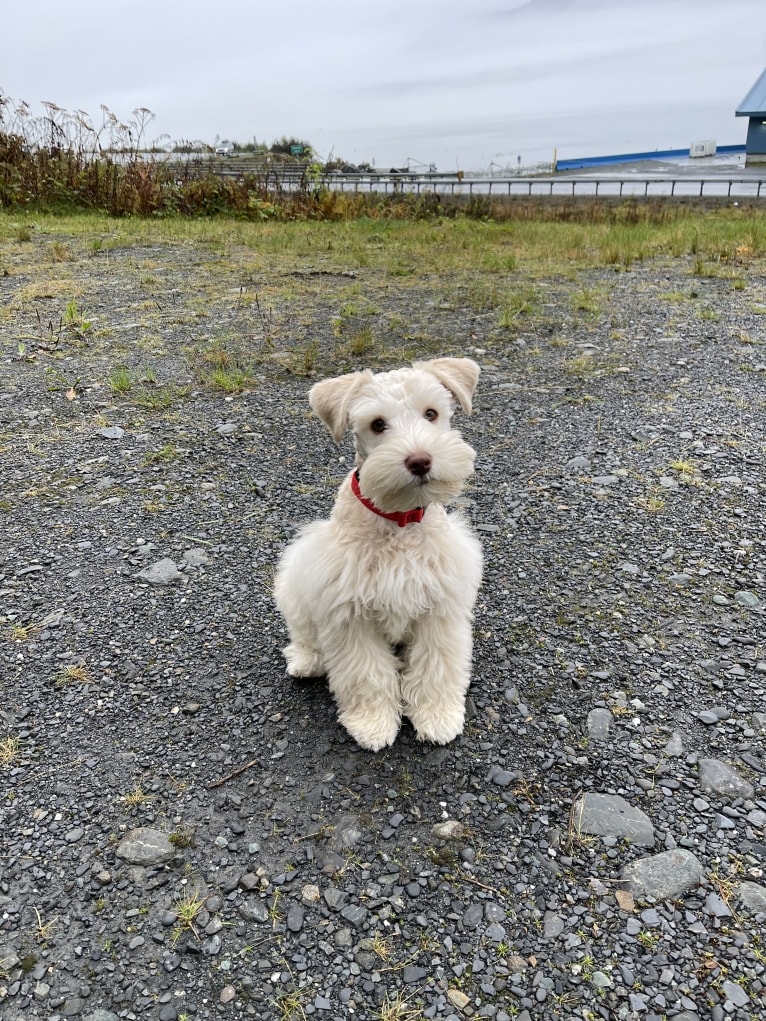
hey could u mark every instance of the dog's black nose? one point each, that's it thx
(418, 463)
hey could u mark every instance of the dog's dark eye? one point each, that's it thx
(378, 425)
(430, 414)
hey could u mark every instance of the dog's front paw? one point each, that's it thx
(438, 727)
(372, 730)
(303, 661)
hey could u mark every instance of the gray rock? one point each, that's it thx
(735, 993)
(145, 846)
(753, 897)
(553, 925)
(111, 432)
(449, 830)
(164, 572)
(72, 1006)
(196, 557)
(101, 1015)
(9, 960)
(334, 898)
(715, 905)
(663, 876)
(413, 973)
(494, 912)
(611, 815)
(748, 599)
(599, 723)
(718, 778)
(347, 832)
(355, 914)
(601, 980)
(605, 480)
(295, 918)
(675, 745)
(310, 893)
(708, 717)
(501, 777)
(226, 428)
(254, 910)
(628, 568)
(578, 463)
(472, 915)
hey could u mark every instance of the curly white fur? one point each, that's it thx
(385, 610)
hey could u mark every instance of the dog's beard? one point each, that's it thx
(385, 480)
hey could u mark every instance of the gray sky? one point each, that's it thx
(461, 84)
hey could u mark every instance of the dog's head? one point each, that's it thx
(407, 454)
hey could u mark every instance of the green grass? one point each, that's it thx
(121, 380)
(280, 287)
(433, 248)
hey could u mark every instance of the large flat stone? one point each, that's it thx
(663, 876)
(610, 815)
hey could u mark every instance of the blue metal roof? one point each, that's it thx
(754, 103)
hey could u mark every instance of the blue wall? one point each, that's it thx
(756, 137)
(632, 157)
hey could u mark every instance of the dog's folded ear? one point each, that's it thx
(331, 400)
(458, 375)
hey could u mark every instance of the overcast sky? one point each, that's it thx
(461, 84)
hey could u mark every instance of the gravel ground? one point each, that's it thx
(185, 833)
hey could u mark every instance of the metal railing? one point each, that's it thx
(549, 186)
(293, 177)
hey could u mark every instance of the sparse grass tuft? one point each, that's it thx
(231, 381)
(182, 838)
(224, 369)
(23, 632)
(168, 452)
(186, 908)
(135, 798)
(121, 380)
(43, 930)
(10, 748)
(289, 1006)
(361, 341)
(396, 1008)
(74, 673)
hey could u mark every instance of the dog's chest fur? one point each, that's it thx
(401, 575)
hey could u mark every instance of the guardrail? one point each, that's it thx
(550, 186)
(714, 186)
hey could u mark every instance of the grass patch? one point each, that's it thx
(121, 380)
(74, 673)
(10, 749)
(186, 908)
(224, 368)
(168, 452)
(397, 1008)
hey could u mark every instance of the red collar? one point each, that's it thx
(402, 518)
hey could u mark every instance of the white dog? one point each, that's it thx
(380, 597)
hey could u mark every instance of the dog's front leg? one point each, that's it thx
(363, 676)
(436, 677)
